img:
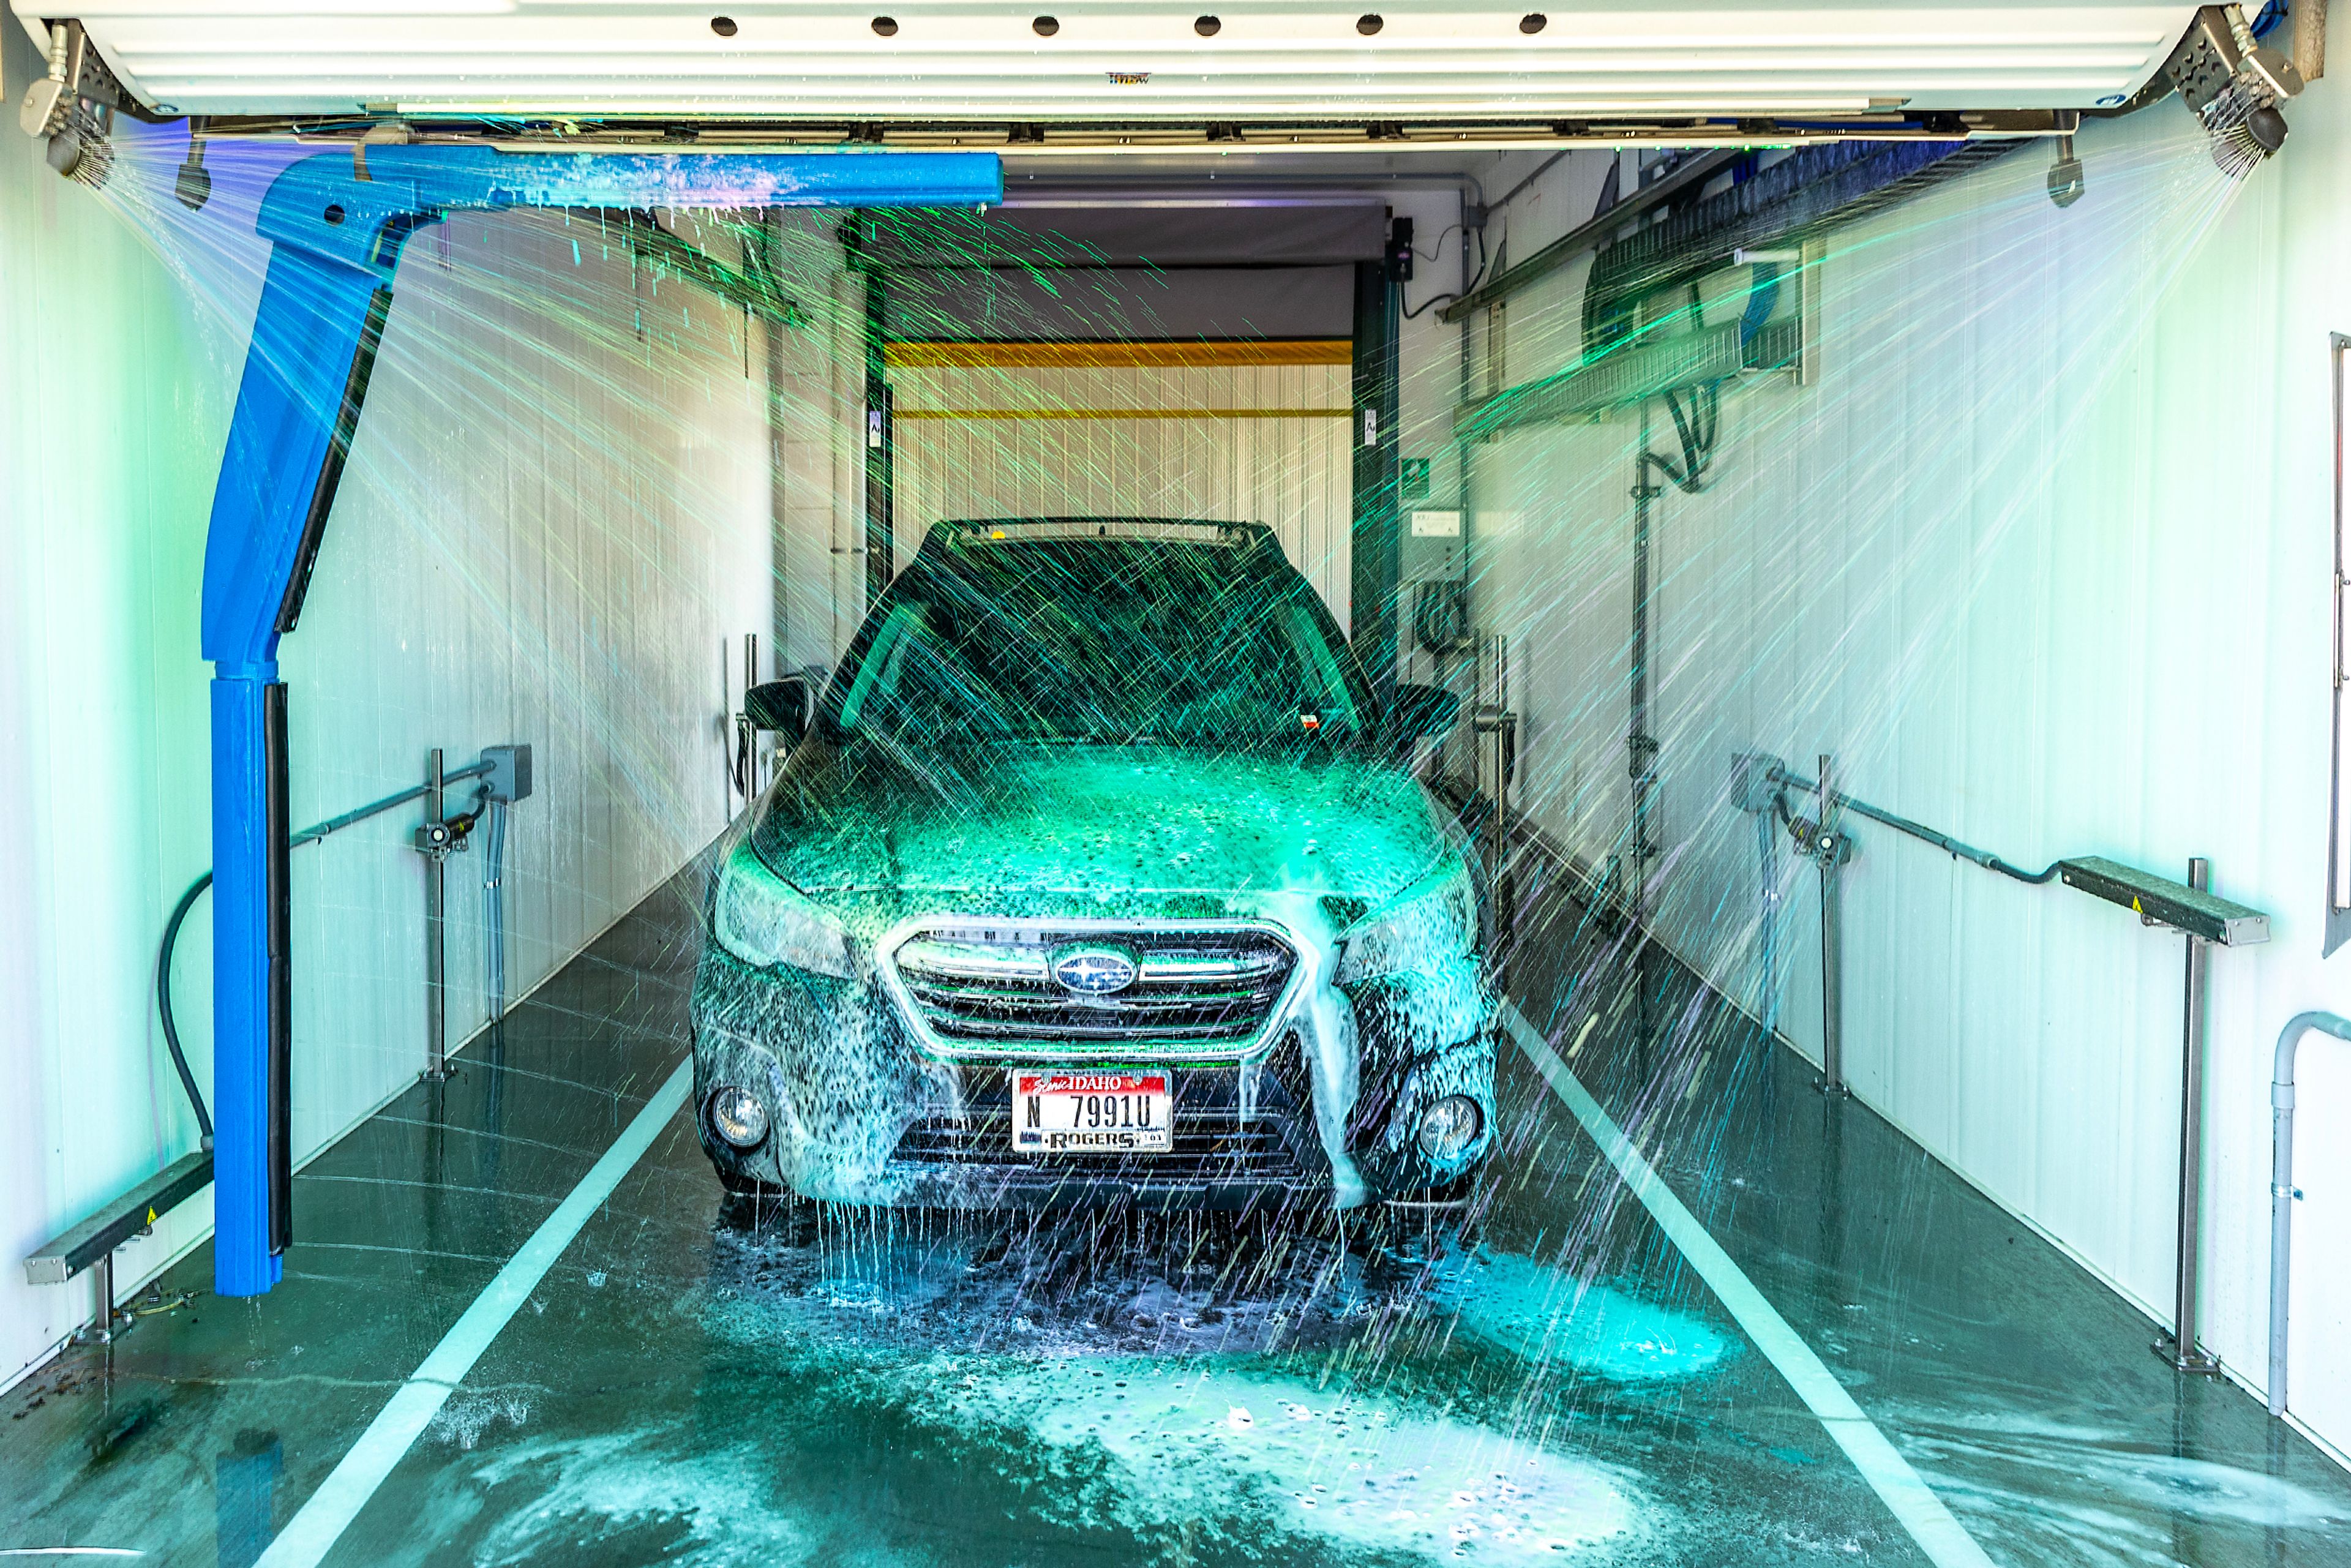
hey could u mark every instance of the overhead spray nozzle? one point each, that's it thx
(2234, 85)
(83, 149)
(194, 184)
(2067, 180)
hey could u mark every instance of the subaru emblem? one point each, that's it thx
(1091, 970)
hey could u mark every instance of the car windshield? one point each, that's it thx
(1107, 641)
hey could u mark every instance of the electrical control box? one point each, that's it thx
(509, 779)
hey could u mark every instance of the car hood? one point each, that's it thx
(1136, 829)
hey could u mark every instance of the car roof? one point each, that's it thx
(1255, 552)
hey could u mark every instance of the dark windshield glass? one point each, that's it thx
(1103, 641)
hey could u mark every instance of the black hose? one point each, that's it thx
(1422, 309)
(163, 1004)
(1697, 430)
(1943, 842)
(1950, 845)
(310, 835)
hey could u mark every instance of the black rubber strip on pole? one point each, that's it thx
(281, 970)
(331, 467)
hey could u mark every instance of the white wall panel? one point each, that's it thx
(555, 516)
(2043, 560)
(1216, 454)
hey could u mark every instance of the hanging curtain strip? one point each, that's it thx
(1117, 355)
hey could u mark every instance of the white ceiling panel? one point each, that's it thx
(951, 61)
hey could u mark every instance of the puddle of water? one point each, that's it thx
(2110, 1502)
(635, 1497)
(1546, 1317)
(1051, 1290)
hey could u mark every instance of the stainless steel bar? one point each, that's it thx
(1640, 746)
(376, 808)
(728, 722)
(493, 915)
(2182, 1351)
(1831, 944)
(436, 991)
(103, 1325)
(1767, 993)
(750, 738)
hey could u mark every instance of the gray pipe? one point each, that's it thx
(1767, 846)
(2282, 1183)
(436, 991)
(1831, 858)
(493, 915)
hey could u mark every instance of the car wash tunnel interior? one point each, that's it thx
(1289, 786)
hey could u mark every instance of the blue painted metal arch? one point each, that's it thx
(337, 224)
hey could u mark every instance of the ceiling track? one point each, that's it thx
(539, 132)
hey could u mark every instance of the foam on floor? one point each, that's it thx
(1360, 1470)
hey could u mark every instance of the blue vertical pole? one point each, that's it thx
(305, 375)
(243, 1263)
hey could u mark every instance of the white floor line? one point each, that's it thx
(1938, 1534)
(313, 1531)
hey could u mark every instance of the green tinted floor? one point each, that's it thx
(1556, 1386)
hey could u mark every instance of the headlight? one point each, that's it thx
(764, 920)
(1435, 920)
(1449, 1128)
(739, 1117)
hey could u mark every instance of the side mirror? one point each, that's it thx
(1423, 713)
(779, 706)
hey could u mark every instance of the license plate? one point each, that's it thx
(1058, 1111)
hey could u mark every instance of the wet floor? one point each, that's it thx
(1550, 1381)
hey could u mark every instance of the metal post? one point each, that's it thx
(1505, 889)
(102, 1326)
(748, 737)
(1640, 746)
(1767, 993)
(494, 918)
(726, 721)
(1830, 855)
(881, 478)
(436, 998)
(2181, 1350)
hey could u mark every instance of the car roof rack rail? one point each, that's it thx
(1199, 530)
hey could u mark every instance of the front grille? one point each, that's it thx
(1200, 993)
(1212, 1146)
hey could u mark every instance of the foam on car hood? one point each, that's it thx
(1152, 829)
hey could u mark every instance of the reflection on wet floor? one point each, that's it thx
(1542, 1380)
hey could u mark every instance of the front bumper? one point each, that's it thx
(857, 1114)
